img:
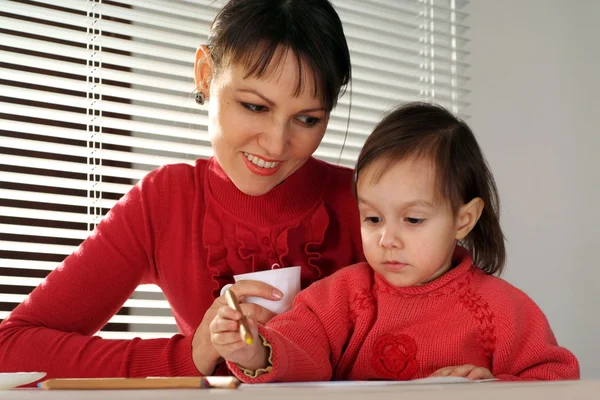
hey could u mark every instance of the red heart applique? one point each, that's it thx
(394, 357)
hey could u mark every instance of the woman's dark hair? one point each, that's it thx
(249, 32)
(424, 130)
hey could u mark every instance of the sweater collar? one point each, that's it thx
(289, 201)
(463, 264)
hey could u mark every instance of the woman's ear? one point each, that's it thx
(203, 70)
(467, 217)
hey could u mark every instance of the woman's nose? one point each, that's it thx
(275, 139)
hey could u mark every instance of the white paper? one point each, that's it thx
(424, 381)
(14, 379)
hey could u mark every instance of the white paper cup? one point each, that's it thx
(285, 279)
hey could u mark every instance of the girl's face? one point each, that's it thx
(408, 232)
(261, 130)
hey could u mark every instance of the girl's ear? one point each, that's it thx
(467, 217)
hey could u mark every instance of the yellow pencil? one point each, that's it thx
(244, 329)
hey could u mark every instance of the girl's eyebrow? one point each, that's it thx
(414, 203)
(362, 200)
(407, 204)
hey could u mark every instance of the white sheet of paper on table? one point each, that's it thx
(9, 380)
(424, 381)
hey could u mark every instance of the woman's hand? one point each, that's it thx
(466, 371)
(204, 354)
(227, 340)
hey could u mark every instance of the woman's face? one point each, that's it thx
(261, 130)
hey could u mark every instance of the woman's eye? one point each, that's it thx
(254, 107)
(309, 121)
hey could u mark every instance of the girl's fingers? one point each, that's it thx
(463, 370)
(443, 371)
(467, 371)
(253, 326)
(220, 325)
(260, 314)
(227, 312)
(225, 320)
(232, 340)
(480, 373)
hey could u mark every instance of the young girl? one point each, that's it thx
(426, 301)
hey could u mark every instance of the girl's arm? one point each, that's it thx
(307, 342)
(526, 348)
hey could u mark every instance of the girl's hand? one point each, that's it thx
(466, 371)
(204, 354)
(227, 340)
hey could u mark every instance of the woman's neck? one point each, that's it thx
(288, 201)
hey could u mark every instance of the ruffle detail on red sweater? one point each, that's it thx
(282, 246)
(248, 248)
(286, 226)
(310, 231)
(318, 226)
(216, 251)
(308, 234)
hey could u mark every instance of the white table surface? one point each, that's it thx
(576, 390)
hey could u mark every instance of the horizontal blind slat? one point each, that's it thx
(33, 282)
(12, 229)
(67, 166)
(27, 247)
(48, 215)
(27, 264)
(66, 183)
(138, 303)
(51, 198)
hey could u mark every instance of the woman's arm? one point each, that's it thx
(52, 330)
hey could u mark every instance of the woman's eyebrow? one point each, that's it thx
(254, 91)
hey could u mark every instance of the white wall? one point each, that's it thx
(535, 67)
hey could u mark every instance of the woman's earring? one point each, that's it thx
(200, 98)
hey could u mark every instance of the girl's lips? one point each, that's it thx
(394, 266)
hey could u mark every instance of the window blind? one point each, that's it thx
(96, 93)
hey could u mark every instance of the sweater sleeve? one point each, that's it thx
(52, 330)
(526, 348)
(307, 342)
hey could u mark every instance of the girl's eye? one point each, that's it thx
(415, 221)
(373, 220)
(309, 121)
(254, 107)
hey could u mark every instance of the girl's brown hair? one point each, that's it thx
(462, 173)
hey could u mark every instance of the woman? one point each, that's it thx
(271, 73)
